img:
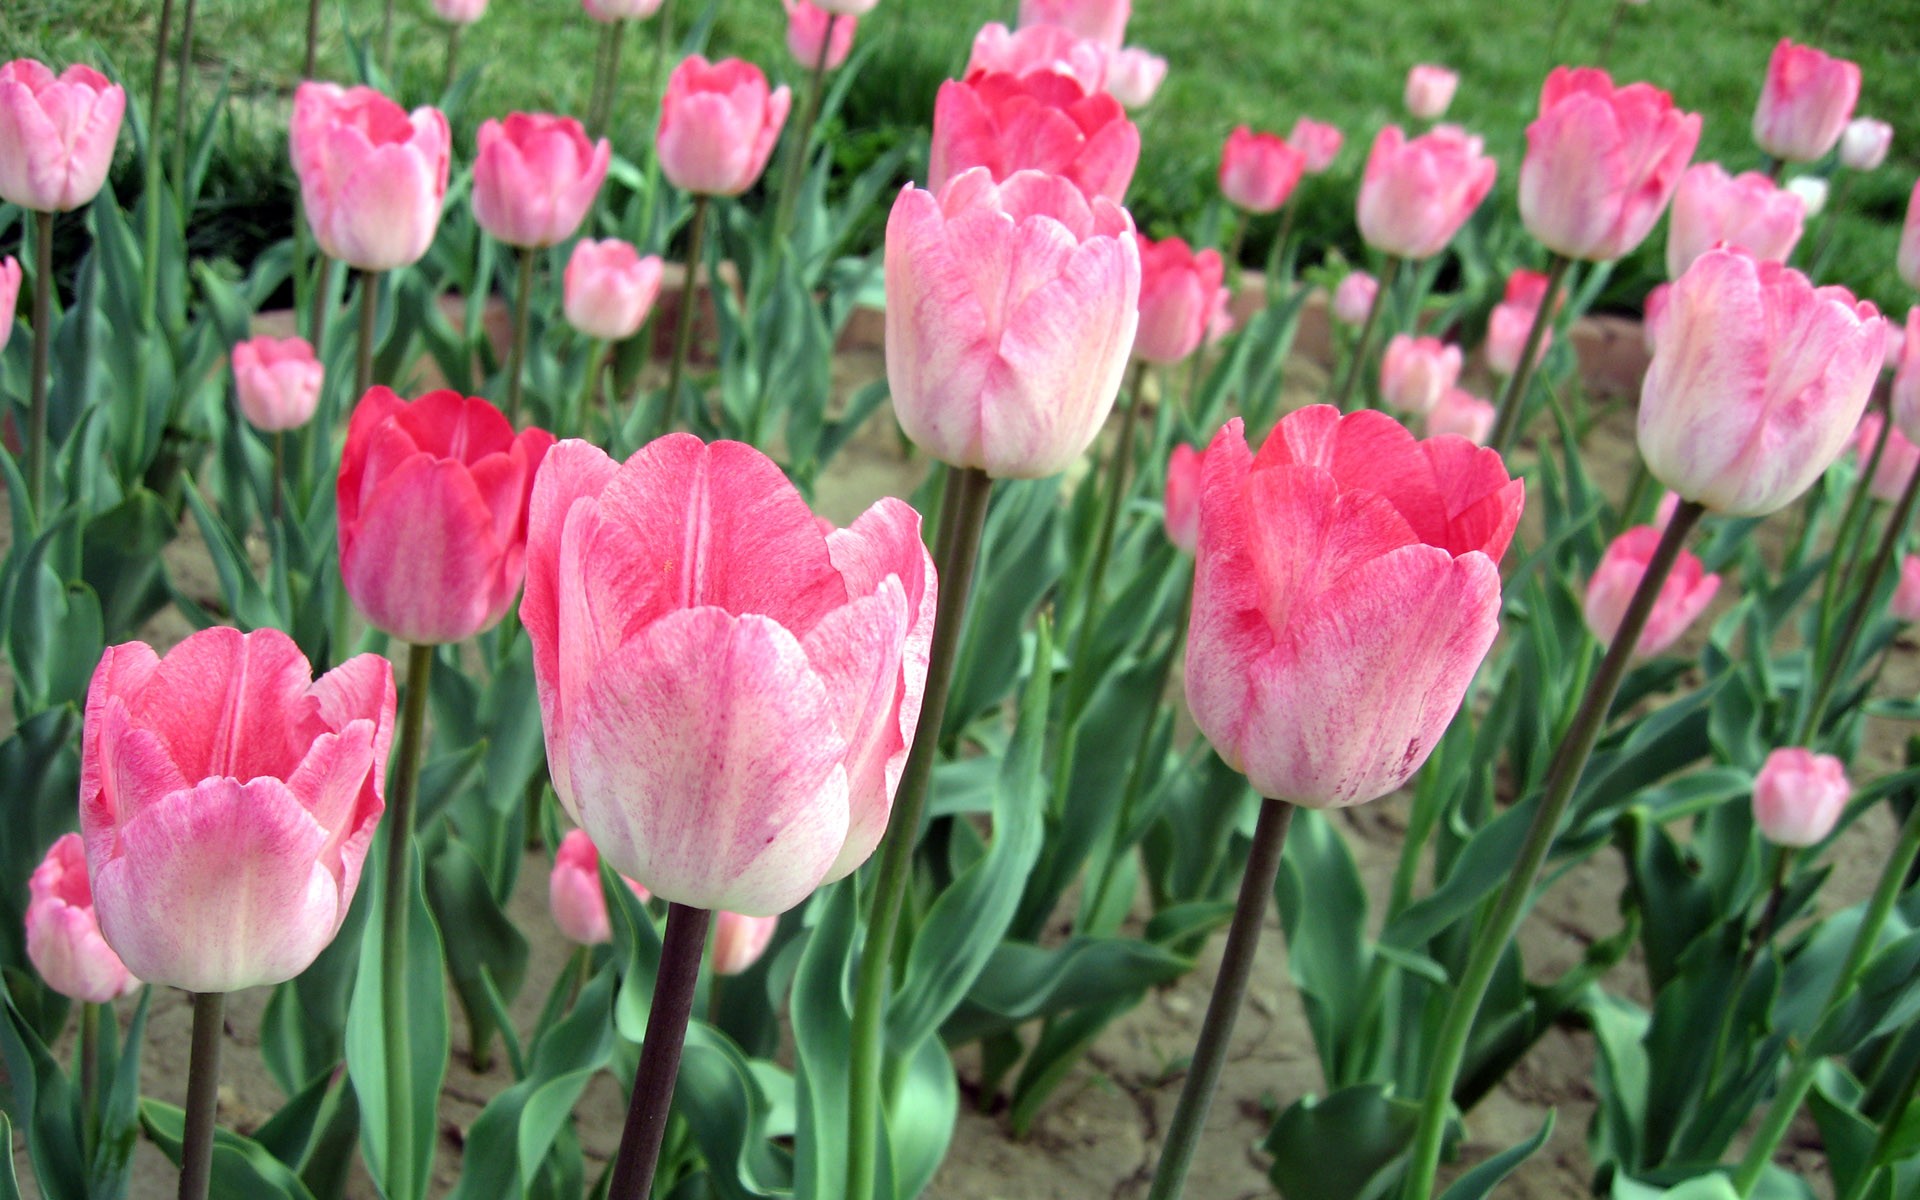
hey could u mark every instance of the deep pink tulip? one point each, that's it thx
(1183, 495)
(718, 124)
(1905, 606)
(1758, 379)
(740, 940)
(1749, 211)
(57, 134)
(433, 498)
(1416, 194)
(729, 694)
(608, 11)
(1011, 311)
(1429, 91)
(227, 799)
(1346, 590)
(1353, 298)
(808, 28)
(1416, 371)
(277, 381)
(1318, 143)
(1134, 75)
(1181, 298)
(1464, 414)
(1102, 21)
(9, 296)
(1806, 102)
(1798, 796)
(63, 933)
(1258, 171)
(609, 289)
(1053, 48)
(459, 12)
(1512, 321)
(1684, 595)
(535, 177)
(1908, 260)
(574, 898)
(1898, 460)
(1601, 163)
(1036, 122)
(372, 176)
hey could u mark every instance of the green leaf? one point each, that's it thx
(822, 1042)
(248, 606)
(9, 1183)
(1023, 981)
(729, 1114)
(242, 1168)
(1323, 911)
(119, 1117)
(490, 951)
(1477, 1183)
(47, 1105)
(1373, 1130)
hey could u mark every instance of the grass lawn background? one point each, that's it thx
(1263, 62)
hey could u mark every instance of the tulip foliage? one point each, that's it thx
(341, 616)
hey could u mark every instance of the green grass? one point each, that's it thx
(1263, 62)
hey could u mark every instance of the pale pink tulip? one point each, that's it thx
(9, 296)
(728, 693)
(609, 289)
(1346, 590)
(1749, 211)
(1811, 191)
(718, 124)
(1864, 144)
(1904, 400)
(535, 177)
(1011, 310)
(1416, 194)
(1416, 371)
(57, 134)
(1601, 163)
(1908, 260)
(1429, 91)
(1134, 75)
(1898, 460)
(1183, 495)
(372, 176)
(1511, 322)
(1041, 121)
(1684, 595)
(1757, 382)
(227, 799)
(1905, 606)
(1353, 298)
(277, 381)
(1181, 299)
(609, 11)
(1464, 414)
(63, 933)
(740, 940)
(1258, 171)
(1318, 143)
(459, 12)
(1654, 311)
(811, 29)
(1102, 21)
(574, 897)
(1054, 48)
(1806, 102)
(1798, 796)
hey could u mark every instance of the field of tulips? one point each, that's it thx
(710, 673)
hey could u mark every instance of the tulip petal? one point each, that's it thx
(228, 703)
(857, 653)
(424, 556)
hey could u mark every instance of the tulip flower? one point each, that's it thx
(1101, 21)
(739, 941)
(1036, 122)
(1318, 144)
(1134, 75)
(1052, 48)
(277, 381)
(433, 498)
(1758, 379)
(9, 296)
(57, 134)
(1258, 171)
(1011, 373)
(1417, 193)
(63, 932)
(1601, 163)
(1864, 144)
(808, 27)
(372, 176)
(535, 177)
(609, 11)
(1325, 668)
(1652, 313)
(1798, 796)
(1908, 260)
(1684, 595)
(1353, 298)
(1905, 605)
(1183, 495)
(574, 898)
(459, 12)
(227, 799)
(1429, 91)
(1180, 299)
(1512, 320)
(1895, 344)
(609, 289)
(733, 738)
(1463, 413)
(1904, 400)
(1416, 371)
(718, 124)
(1806, 102)
(1749, 211)
(1898, 459)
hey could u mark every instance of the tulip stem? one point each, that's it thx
(398, 903)
(1786, 1102)
(517, 349)
(1569, 761)
(369, 330)
(796, 172)
(1235, 241)
(673, 989)
(42, 343)
(453, 58)
(1229, 990)
(606, 79)
(578, 421)
(203, 1096)
(149, 259)
(1288, 213)
(317, 315)
(1840, 560)
(279, 472)
(180, 101)
(313, 37)
(1357, 364)
(963, 517)
(156, 91)
(1513, 397)
(689, 300)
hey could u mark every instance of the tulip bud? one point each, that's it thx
(609, 289)
(718, 124)
(1430, 91)
(1904, 400)
(811, 29)
(574, 897)
(1040, 121)
(9, 296)
(1908, 260)
(1798, 796)
(1102, 21)
(535, 177)
(608, 11)
(1905, 606)
(1511, 322)
(1318, 144)
(63, 933)
(847, 8)
(1462, 413)
(1050, 48)
(1805, 104)
(277, 381)
(460, 12)
(1416, 371)
(1684, 594)
(1864, 144)
(57, 134)
(739, 941)
(1180, 299)
(1183, 495)
(372, 176)
(1898, 459)
(1258, 171)
(1353, 299)
(1134, 75)
(1416, 194)
(1748, 211)
(1811, 191)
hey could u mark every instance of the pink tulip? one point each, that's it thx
(277, 381)
(729, 694)
(609, 288)
(1353, 299)
(1318, 144)
(1512, 322)
(57, 134)
(808, 30)
(1462, 413)
(535, 177)
(1416, 371)
(433, 499)
(1430, 91)
(1898, 460)
(1895, 344)
(1806, 102)
(1011, 309)
(1757, 382)
(1904, 399)
(1749, 211)
(1052, 48)
(1798, 796)
(1811, 191)
(718, 124)
(1653, 313)
(1905, 606)
(372, 176)
(63, 932)
(1345, 593)
(9, 296)
(1180, 299)
(574, 897)
(1134, 75)
(1416, 194)
(1908, 260)
(739, 940)
(1258, 171)
(1864, 144)
(608, 11)
(1684, 595)
(1102, 21)
(1601, 163)
(227, 799)
(1036, 122)
(459, 12)
(1183, 495)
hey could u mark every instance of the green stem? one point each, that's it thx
(1288, 212)
(1636, 492)
(279, 472)
(1113, 499)
(673, 989)
(42, 343)
(317, 316)
(203, 1096)
(517, 349)
(1562, 776)
(90, 1072)
(1235, 241)
(609, 80)
(181, 82)
(689, 301)
(1846, 538)
(599, 80)
(1890, 1127)
(313, 37)
(580, 971)
(796, 172)
(1229, 989)
(453, 58)
(963, 517)
(1817, 261)
(1359, 361)
(399, 895)
(1513, 397)
(369, 329)
(156, 91)
(578, 421)
(150, 256)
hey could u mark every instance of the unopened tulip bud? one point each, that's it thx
(718, 124)
(1416, 371)
(1806, 102)
(277, 381)
(63, 934)
(1864, 144)
(372, 176)
(574, 898)
(1353, 298)
(1258, 171)
(1318, 143)
(1430, 91)
(1040, 121)
(811, 28)
(1417, 193)
(1180, 299)
(1463, 413)
(1908, 260)
(57, 134)
(459, 12)
(739, 941)
(1134, 75)
(609, 289)
(535, 177)
(1183, 495)
(1684, 595)
(1798, 796)
(1904, 399)
(1511, 322)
